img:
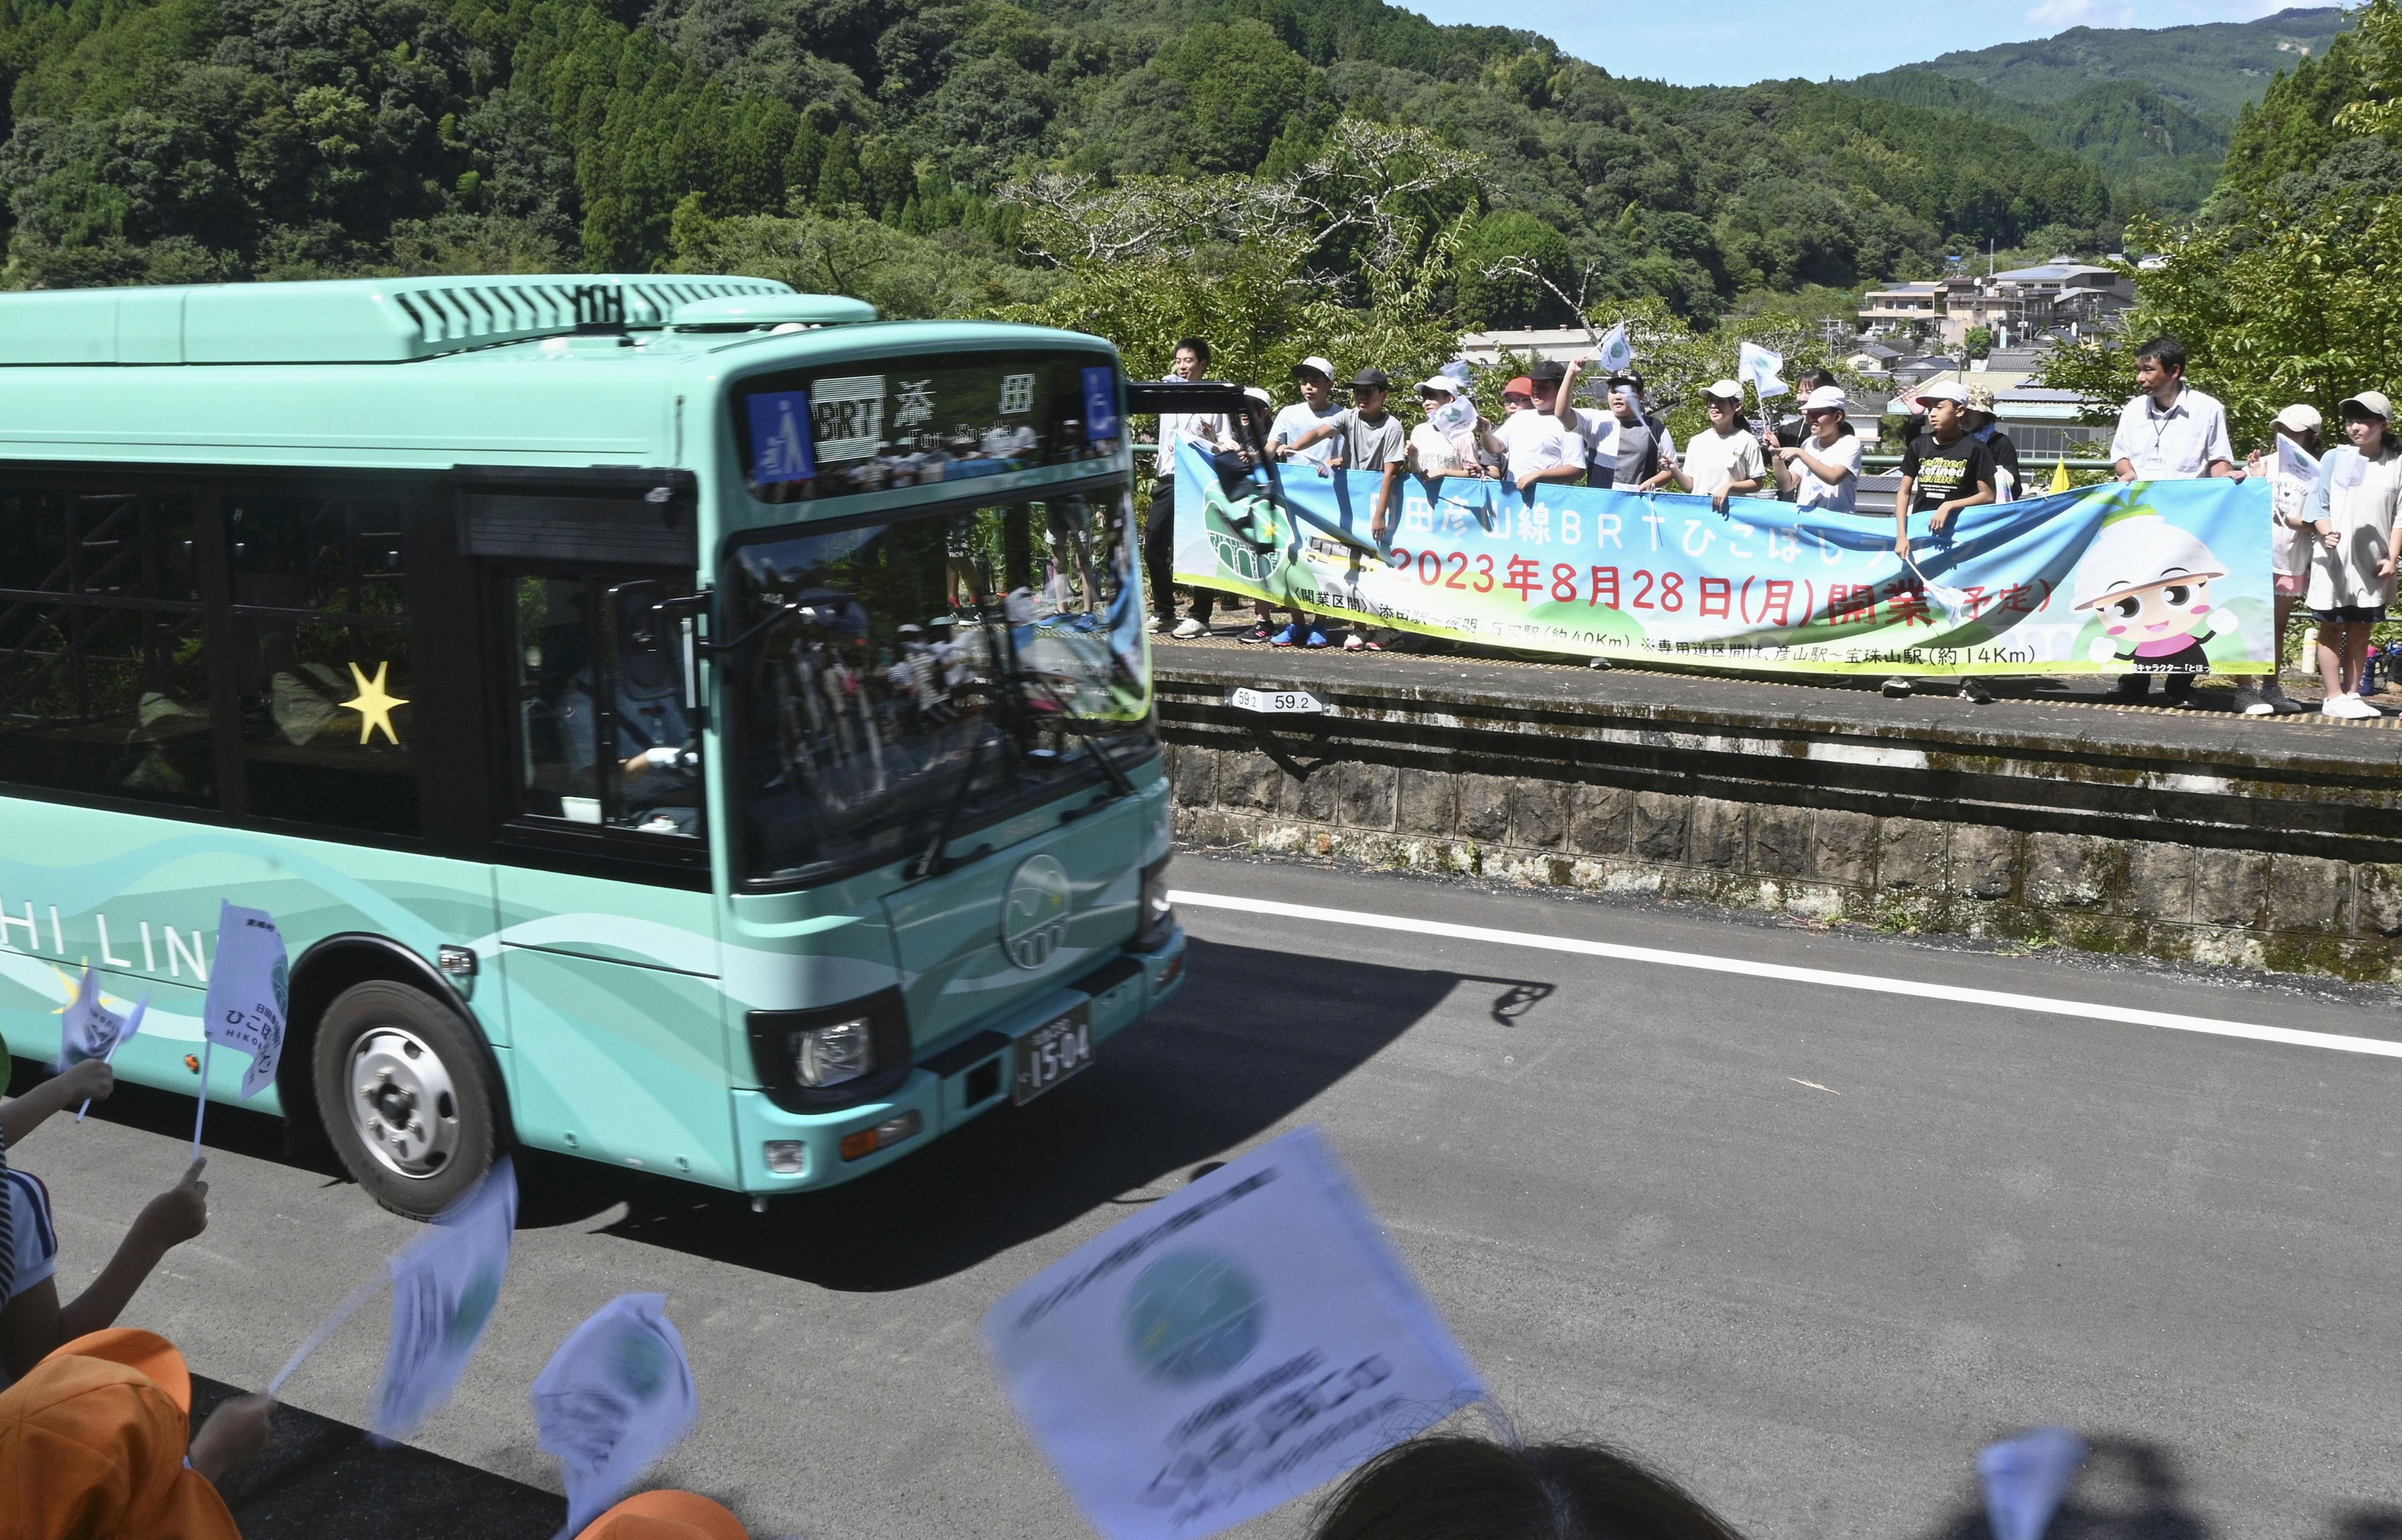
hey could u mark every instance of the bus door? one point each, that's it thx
(609, 942)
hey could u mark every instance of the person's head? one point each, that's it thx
(1369, 389)
(1946, 407)
(2300, 423)
(1453, 1488)
(1981, 408)
(2365, 417)
(1192, 358)
(1815, 378)
(1725, 401)
(1316, 378)
(1436, 392)
(1547, 376)
(1823, 411)
(2160, 367)
(1518, 395)
(1626, 396)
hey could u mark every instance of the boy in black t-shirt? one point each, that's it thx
(1943, 471)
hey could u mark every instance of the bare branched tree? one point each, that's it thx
(1073, 220)
(1519, 267)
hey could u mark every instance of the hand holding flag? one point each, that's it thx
(2296, 462)
(88, 1030)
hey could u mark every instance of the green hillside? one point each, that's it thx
(2216, 68)
(2154, 151)
(164, 140)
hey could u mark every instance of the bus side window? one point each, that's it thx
(103, 676)
(320, 628)
(603, 736)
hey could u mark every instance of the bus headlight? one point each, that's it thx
(830, 1056)
(1158, 917)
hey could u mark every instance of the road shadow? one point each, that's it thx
(1254, 1038)
(1255, 1034)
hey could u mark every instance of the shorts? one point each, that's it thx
(2349, 615)
(2293, 584)
(30, 1227)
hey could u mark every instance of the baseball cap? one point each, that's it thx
(1980, 399)
(91, 1444)
(1948, 389)
(1627, 378)
(666, 1514)
(145, 1352)
(1550, 372)
(2299, 419)
(1826, 397)
(1725, 390)
(1375, 377)
(1314, 362)
(1443, 384)
(2372, 401)
(1520, 386)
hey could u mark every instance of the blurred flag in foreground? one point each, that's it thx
(1227, 1350)
(2024, 1479)
(444, 1285)
(614, 1397)
(1760, 368)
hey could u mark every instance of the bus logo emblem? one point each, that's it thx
(1034, 911)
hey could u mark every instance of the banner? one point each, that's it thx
(2148, 577)
(1226, 1350)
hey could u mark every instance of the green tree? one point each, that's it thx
(841, 185)
(1242, 83)
(1515, 270)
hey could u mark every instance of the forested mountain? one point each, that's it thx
(2156, 153)
(2152, 109)
(165, 140)
(2215, 68)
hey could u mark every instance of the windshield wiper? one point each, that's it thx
(929, 863)
(1076, 724)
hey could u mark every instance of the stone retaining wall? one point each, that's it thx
(2251, 908)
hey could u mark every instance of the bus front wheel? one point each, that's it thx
(403, 1095)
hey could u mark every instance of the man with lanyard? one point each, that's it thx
(2170, 432)
(1207, 429)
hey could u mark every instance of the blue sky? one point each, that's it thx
(1734, 44)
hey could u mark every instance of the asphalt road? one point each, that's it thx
(1806, 1247)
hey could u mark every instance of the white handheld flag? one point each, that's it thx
(2296, 463)
(1759, 369)
(249, 990)
(1226, 1350)
(444, 1285)
(614, 1397)
(88, 1029)
(2024, 1479)
(1617, 354)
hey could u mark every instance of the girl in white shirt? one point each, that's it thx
(2351, 573)
(1824, 471)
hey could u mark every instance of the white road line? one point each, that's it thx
(2172, 1021)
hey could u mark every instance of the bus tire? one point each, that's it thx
(403, 1097)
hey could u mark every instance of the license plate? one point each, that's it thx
(1276, 702)
(1053, 1052)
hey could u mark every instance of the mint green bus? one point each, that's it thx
(675, 720)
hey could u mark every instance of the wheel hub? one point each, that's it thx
(404, 1109)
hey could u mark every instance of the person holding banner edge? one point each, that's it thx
(2171, 432)
(2352, 511)
(1934, 469)
(2292, 469)
(1726, 461)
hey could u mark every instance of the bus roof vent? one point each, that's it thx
(343, 321)
(746, 311)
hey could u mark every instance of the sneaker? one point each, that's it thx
(1257, 633)
(2348, 709)
(1353, 644)
(1601, 664)
(2253, 702)
(1974, 690)
(1896, 687)
(1188, 627)
(1155, 623)
(1316, 638)
(1372, 645)
(2132, 686)
(1287, 636)
(2280, 702)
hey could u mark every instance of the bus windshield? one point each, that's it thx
(916, 677)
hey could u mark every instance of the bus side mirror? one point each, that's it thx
(638, 604)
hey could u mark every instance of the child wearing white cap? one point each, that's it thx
(2351, 510)
(1823, 471)
(2289, 544)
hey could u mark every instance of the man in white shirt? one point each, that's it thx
(2170, 432)
(1209, 431)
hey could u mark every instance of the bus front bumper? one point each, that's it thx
(783, 1151)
